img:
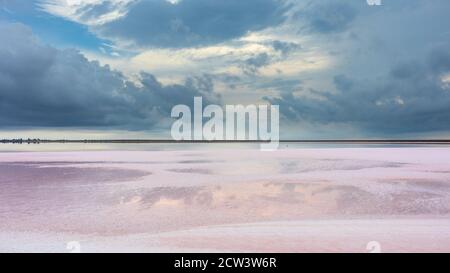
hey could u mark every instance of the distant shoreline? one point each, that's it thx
(171, 141)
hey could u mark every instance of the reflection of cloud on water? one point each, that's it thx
(186, 196)
(46, 173)
(288, 200)
(130, 192)
(424, 184)
(299, 166)
(289, 166)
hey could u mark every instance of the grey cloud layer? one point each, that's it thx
(327, 16)
(158, 23)
(44, 86)
(410, 98)
(384, 76)
(391, 62)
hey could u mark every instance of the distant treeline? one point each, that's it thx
(118, 141)
(21, 140)
(168, 141)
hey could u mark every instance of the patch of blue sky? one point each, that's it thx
(55, 31)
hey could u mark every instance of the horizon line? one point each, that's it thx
(172, 141)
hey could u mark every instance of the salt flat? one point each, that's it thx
(336, 199)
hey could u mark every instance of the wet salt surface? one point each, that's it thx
(226, 200)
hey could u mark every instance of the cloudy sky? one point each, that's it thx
(338, 69)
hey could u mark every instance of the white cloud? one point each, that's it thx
(80, 10)
(446, 81)
(173, 2)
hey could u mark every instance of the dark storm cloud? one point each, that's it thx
(327, 16)
(392, 72)
(342, 82)
(285, 47)
(44, 86)
(252, 64)
(158, 23)
(279, 84)
(408, 99)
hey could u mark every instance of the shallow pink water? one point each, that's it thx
(227, 200)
